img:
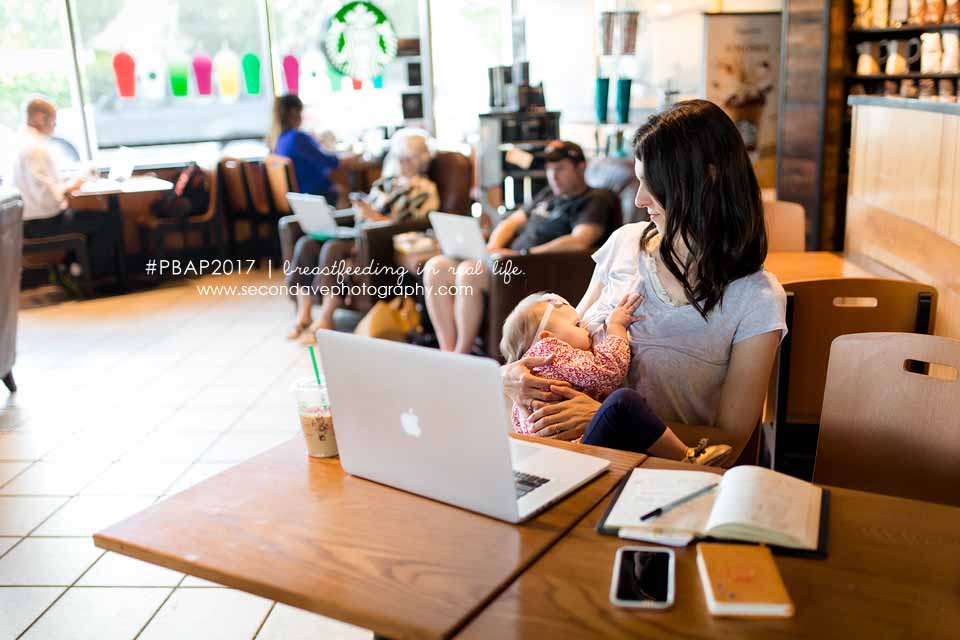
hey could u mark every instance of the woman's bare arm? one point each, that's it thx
(741, 399)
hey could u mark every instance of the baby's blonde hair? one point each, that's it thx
(520, 327)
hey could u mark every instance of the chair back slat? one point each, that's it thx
(785, 225)
(886, 429)
(827, 308)
(257, 186)
(234, 186)
(281, 179)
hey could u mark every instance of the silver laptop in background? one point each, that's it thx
(316, 216)
(460, 237)
(436, 424)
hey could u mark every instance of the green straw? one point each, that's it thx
(316, 369)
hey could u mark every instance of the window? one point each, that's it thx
(331, 101)
(36, 61)
(468, 37)
(173, 71)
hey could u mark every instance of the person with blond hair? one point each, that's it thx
(403, 193)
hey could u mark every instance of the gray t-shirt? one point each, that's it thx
(678, 359)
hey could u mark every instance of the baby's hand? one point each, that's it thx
(622, 315)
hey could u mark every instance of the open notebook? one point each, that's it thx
(750, 504)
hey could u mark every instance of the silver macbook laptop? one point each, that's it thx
(459, 236)
(317, 217)
(436, 424)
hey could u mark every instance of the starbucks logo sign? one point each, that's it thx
(360, 41)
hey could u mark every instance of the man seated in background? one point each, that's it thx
(43, 190)
(567, 215)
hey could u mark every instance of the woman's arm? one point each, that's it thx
(308, 148)
(741, 399)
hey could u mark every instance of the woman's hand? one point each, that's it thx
(523, 387)
(564, 420)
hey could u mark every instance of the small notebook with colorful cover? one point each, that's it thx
(741, 580)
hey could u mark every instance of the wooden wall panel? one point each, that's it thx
(903, 208)
(811, 121)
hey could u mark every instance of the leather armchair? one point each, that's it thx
(567, 274)
(617, 175)
(452, 172)
(11, 247)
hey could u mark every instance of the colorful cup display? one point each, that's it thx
(227, 67)
(125, 72)
(251, 73)
(291, 74)
(203, 73)
(179, 78)
(603, 91)
(336, 78)
(152, 78)
(623, 100)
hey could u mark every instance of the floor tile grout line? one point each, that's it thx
(157, 610)
(62, 593)
(264, 621)
(42, 613)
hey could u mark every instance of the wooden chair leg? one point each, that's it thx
(9, 382)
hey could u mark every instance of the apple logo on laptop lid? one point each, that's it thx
(410, 423)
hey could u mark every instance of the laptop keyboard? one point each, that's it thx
(527, 482)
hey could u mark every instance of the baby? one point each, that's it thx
(544, 324)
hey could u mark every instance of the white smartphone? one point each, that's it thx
(643, 577)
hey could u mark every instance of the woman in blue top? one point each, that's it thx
(311, 163)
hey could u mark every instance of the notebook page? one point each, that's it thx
(648, 489)
(753, 499)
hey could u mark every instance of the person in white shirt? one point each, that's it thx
(43, 190)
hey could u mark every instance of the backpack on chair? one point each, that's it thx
(190, 196)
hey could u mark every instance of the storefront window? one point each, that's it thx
(334, 102)
(36, 62)
(468, 37)
(173, 71)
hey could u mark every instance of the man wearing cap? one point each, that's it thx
(567, 215)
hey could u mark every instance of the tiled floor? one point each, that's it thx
(124, 401)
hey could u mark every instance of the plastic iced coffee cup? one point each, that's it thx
(313, 407)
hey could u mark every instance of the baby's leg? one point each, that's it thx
(625, 421)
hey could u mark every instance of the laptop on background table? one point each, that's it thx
(436, 424)
(460, 237)
(316, 217)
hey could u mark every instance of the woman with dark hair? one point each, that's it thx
(712, 316)
(311, 164)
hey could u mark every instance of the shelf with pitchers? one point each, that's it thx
(853, 77)
(907, 29)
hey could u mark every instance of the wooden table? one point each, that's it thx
(893, 572)
(303, 532)
(141, 190)
(791, 266)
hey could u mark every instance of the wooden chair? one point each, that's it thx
(281, 179)
(817, 312)
(236, 205)
(887, 427)
(154, 231)
(246, 199)
(786, 222)
(49, 251)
